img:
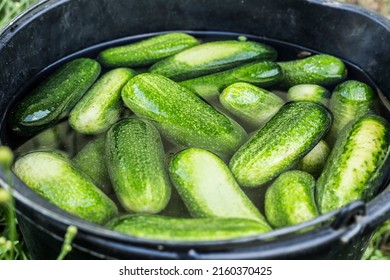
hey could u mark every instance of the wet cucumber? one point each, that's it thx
(210, 58)
(290, 199)
(354, 169)
(249, 103)
(181, 116)
(208, 188)
(136, 165)
(262, 74)
(54, 177)
(309, 92)
(182, 229)
(320, 69)
(286, 138)
(146, 52)
(101, 106)
(54, 97)
(315, 160)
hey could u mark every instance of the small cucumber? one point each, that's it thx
(208, 188)
(210, 58)
(350, 100)
(91, 160)
(146, 52)
(290, 199)
(101, 106)
(320, 69)
(183, 229)
(181, 116)
(249, 103)
(261, 74)
(309, 92)
(314, 161)
(54, 177)
(54, 97)
(354, 169)
(136, 164)
(286, 138)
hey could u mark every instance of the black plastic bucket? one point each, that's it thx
(54, 29)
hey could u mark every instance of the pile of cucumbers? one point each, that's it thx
(174, 122)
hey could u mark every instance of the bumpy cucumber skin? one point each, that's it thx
(290, 199)
(101, 106)
(320, 69)
(91, 160)
(181, 116)
(54, 177)
(315, 160)
(309, 92)
(262, 74)
(54, 97)
(210, 58)
(249, 103)
(164, 228)
(350, 100)
(208, 188)
(354, 169)
(148, 51)
(136, 165)
(286, 138)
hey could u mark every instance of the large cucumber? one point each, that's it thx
(286, 138)
(136, 164)
(54, 97)
(354, 169)
(211, 57)
(181, 116)
(148, 51)
(54, 177)
(101, 106)
(262, 74)
(208, 188)
(182, 229)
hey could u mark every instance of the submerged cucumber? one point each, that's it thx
(181, 116)
(211, 57)
(290, 199)
(182, 229)
(55, 178)
(309, 92)
(148, 51)
(286, 138)
(314, 161)
(249, 103)
(54, 97)
(136, 164)
(354, 169)
(101, 106)
(320, 69)
(208, 188)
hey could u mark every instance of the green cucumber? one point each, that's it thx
(55, 178)
(181, 116)
(290, 199)
(354, 169)
(208, 188)
(210, 58)
(91, 160)
(262, 74)
(146, 52)
(101, 106)
(315, 160)
(183, 229)
(277, 146)
(249, 103)
(309, 92)
(320, 69)
(54, 97)
(350, 100)
(136, 164)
